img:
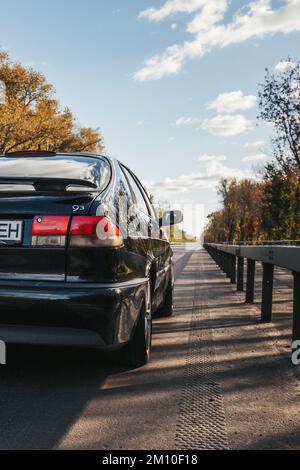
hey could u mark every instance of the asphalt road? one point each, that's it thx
(73, 399)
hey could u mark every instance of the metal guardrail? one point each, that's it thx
(230, 259)
(264, 243)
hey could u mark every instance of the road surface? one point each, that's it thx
(217, 379)
(71, 399)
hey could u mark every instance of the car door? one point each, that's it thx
(162, 252)
(157, 247)
(139, 219)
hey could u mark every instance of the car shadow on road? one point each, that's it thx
(44, 390)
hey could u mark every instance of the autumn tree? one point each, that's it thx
(280, 106)
(31, 117)
(279, 101)
(215, 230)
(241, 213)
(269, 208)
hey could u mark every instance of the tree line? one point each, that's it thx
(267, 207)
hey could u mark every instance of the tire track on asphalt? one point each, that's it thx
(181, 263)
(201, 421)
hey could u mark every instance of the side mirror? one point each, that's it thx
(171, 218)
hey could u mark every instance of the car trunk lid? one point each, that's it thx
(37, 187)
(18, 258)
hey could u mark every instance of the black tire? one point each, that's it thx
(137, 352)
(167, 309)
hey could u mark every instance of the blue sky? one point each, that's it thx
(161, 117)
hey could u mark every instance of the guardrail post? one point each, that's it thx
(267, 292)
(240, 274)
(250, 281)
(223, 262)
(296, 308)
(219, 259)
(232, 269)
(227, 269)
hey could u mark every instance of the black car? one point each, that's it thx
(83, 258)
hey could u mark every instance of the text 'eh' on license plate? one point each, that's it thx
(10, 232)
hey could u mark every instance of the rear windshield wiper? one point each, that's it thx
(41, 183)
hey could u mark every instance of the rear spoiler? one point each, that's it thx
(47, 184)
(30, 153)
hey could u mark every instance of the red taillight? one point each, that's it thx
(50, 230)
(84, 231)
(94, 231)
(50, 225)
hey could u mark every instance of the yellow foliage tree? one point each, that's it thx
(31, 118)
(240, 217)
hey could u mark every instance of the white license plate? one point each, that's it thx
(11, 231)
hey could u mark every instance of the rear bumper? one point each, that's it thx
(102, 315)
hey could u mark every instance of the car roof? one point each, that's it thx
(83, 154)
(44, 153)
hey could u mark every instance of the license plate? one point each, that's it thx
(11, 231)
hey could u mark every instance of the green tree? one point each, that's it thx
(281, 211)
(277, 204)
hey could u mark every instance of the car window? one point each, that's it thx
(124, 187)
(140, 201)
(20, 170)
(153, 212)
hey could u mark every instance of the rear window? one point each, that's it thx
(86, 169)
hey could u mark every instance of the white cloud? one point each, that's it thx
(233, 101)
(171, 7)
(255, 20)
(227, 124)
(156, 67)
(173, 26)
(185, 121)
(284, 65)
(256, 143)
(208, 178)
(211, 158)
(254, 158)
